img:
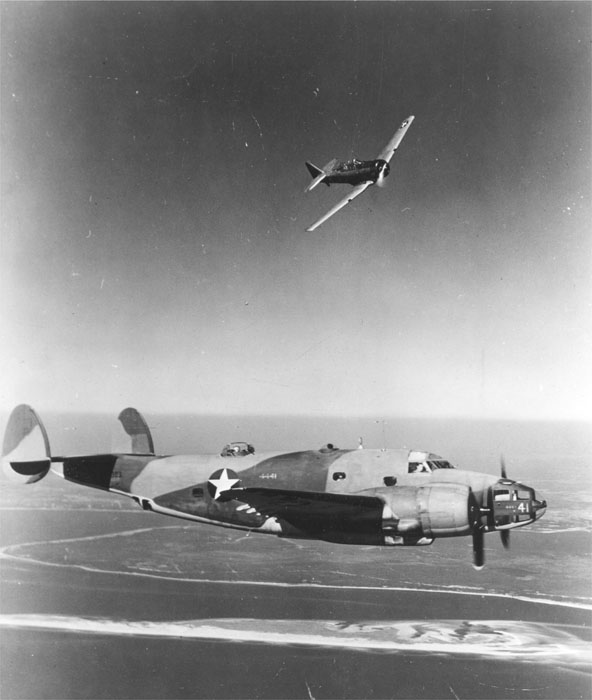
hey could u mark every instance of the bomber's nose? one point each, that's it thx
(539, 508)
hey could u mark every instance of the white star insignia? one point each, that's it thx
(223, 483)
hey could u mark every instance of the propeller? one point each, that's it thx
(521, 508)
(504, 534)
(478, 551)
(503, 467)
(382, 173)
(478, 532)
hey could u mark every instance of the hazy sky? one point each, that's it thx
(153, 244)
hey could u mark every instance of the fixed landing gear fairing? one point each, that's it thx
(359, 173)
(387, 497)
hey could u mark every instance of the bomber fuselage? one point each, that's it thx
(421, 495)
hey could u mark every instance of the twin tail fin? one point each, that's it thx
(26, 457)
(138, 433)
(26, 454)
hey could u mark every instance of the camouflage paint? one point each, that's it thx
(346, 496)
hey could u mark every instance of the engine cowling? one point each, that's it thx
(512, 504)
(439, 510)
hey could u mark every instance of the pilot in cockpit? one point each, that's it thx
(419, 467)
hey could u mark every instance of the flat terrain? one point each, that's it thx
(101, 599)
(130, 604)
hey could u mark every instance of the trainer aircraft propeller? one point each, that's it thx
(386, 497)
(359, 173)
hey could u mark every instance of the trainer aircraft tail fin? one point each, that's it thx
(26, 456)
(319, 174)
(313, 170)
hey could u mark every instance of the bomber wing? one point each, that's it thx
(389, 150)
(357, 190)
(315, 511)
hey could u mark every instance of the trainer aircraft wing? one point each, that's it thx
(357, 190)
(315, 511)
(389, 150)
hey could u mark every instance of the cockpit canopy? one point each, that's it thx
(348, 165)
(237, 449)
(426, 462)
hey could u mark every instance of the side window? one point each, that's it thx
(416, 467)
(197, 492)
(338, 476)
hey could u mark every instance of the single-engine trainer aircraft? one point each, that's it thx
(359, 173)
(385, 497)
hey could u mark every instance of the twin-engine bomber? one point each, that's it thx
(383, 497)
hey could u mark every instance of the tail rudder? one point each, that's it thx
(313, 170)
(26, 456)
(318, 175)
(137, 439)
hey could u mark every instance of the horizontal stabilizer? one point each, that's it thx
(315, 182)
(137, 439)
(26, 456)
(319, 174)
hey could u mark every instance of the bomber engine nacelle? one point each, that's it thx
(413, 513)
(25, 450)
(511, 504)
